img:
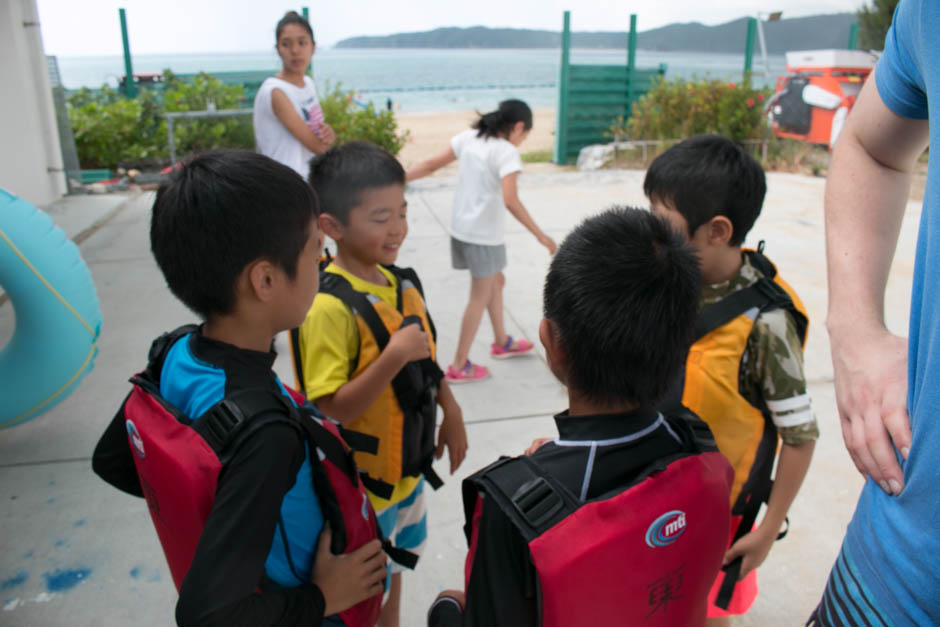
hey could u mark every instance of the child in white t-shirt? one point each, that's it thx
(288, 120)
(488, 166)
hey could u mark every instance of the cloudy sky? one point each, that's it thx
(91, 27)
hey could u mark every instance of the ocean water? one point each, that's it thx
(415, 79)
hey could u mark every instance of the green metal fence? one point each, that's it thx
(591, 97)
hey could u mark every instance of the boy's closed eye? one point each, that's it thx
(381, 216)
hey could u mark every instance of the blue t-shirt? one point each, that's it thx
(892, 543)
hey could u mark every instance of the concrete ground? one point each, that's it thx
(76, 552)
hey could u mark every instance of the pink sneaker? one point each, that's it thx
(522, 346)
(469, 373)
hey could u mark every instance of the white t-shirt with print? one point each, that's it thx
(271, 137)
(479, 215)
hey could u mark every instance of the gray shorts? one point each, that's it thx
(482, 261)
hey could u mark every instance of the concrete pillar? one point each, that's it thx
(30, 157)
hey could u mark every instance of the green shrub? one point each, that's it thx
(537, 156)
(352, 121)
(676, 109)
(111, 130)
(198, 135)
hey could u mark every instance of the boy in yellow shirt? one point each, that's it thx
(366, 350)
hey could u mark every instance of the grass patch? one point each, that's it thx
(537, 156)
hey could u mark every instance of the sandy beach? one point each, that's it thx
(430, 134)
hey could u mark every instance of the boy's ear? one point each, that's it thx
(554, 354)
(719, 231)
(331, 226)
(262, 279)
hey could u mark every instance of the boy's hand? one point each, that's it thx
(348, 579)
(410, 343)
(453, 435)
(536, 445)
(753, 548)
(548, 243)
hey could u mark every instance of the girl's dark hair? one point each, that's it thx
(292, 17)
(498, 123)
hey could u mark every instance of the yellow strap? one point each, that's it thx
(43, 280)
(17, 419)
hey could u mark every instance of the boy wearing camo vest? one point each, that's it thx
(744, 372)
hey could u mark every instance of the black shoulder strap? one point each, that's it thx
(230, 421)
(298, 360)
(161, 346)
(762, 295)
(766, 267)
(409, 274)
(533, 500)
(760, 261)
(336, 285)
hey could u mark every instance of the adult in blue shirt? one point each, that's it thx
(888, 388)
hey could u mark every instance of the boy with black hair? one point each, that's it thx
(622, 519)
(208, 434)
(744, 372)
(365, 353)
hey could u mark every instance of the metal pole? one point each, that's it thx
(853, 36)
(763, 45)
(306, 13)
(130, 90)
(561, 121)
(749, 46)
(169, 139)
(631, 61)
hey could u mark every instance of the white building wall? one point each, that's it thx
(30, 157)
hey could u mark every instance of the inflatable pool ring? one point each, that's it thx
(56, 308)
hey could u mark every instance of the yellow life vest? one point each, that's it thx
(403, 418)
(745, 434)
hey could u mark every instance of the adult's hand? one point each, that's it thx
(871, 393)
(866, 196)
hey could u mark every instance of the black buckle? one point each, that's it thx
(223, 419)
(537, 502)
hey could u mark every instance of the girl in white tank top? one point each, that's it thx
(288, 120)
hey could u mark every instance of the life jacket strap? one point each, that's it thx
(161, 346)
(532, 499)
(362, 442)
(404, 557)
(434, 480)
(377, 487)
(748, 512)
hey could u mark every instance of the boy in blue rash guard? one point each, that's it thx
(235, 235)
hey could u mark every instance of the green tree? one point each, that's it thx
(873, 23)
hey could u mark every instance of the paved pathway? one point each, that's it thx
(74, 551)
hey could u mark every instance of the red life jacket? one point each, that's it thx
(643, 555)
(178, 461)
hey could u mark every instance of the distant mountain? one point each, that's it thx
(802, 33)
